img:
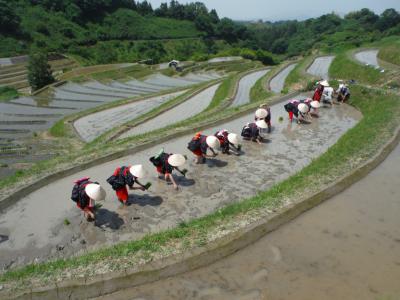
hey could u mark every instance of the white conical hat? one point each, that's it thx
(212, 142)
(233, 138)
(315, 104)
(324, 83)
(261, 113)
(138, 171)
(261, 124)
(95, 192)
(176, 160)
(302, 108)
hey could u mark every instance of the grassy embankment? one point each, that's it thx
(345, 67)
(381, 112)
(390, 51)
(298, 79)
(8, 93)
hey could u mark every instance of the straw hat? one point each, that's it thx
(315, 104)
(261, 113)
(212, 142)
(95, 192)
(261, 124)
(302, 108)
(176, 160)
(324, 83)
(233, 138)
(138, 171)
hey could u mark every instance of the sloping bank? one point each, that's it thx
(223, 231)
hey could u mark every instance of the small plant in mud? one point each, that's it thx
(3, 165)
(280, 119)
(67, 222)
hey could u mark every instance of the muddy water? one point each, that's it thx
(369, 57)
(206, 188)
(245, 85)
(278, 81)
(187, 109)
(224, 59)
(346, 248)
(92, 126)
(320, 67)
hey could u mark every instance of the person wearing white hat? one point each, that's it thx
(343, 93)
(84, 194)
(200, 144)
(251, 131)
(165, 163)
(127, 176)
(319, 91)
(228, 141)
(327, 95)
(297, 109)
(264, 113)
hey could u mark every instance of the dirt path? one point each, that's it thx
(278, 81)
(245, 85)
(320, 67)
(346, 248)
(92, 126)
(207, 187)
(183, 111)
(369, 57)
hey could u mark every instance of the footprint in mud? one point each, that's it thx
(3, 238)
(261, 275)
(276, 254)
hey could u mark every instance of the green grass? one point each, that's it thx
(390, 53)
(58, 129)
(259, 91)
(8, 93)
(344, 67)
(298, 77)
(136, 71)
(381, 118)
(223, 92)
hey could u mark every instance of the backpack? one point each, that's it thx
(194, 144)
(80, 185)
(246, 131)
(117, 181)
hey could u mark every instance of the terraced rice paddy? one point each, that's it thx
(245, 85)
(187, 109)
(288, 149)
(368, 57)
(277, 83)
(24, 117)
(320, 67)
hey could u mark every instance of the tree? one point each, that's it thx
(389, 18)
(9, 21)
(39, 71)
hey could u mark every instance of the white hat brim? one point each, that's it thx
(233, 138)
(302, 108)
(138, 171)
(315, 104)
(212, 142)
(176, 160)
(261, 113)
(262, 124)
(95, 192)
(324, 83)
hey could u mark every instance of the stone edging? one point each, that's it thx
(202, 256)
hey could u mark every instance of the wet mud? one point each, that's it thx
(368, 57)
(346, 248)
(245, 85)
(320, 67)
(185, 110)
(92, 126)
(278, 81)
(221, 181)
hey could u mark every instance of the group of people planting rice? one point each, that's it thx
(85, 192)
